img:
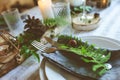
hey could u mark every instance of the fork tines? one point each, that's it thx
(40, 46)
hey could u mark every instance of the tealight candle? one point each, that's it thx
(46, 8)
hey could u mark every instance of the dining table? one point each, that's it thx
(109, 26)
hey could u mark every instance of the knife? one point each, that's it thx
(55, 44)
(52, 42)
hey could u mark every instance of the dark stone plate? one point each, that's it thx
(73, 64)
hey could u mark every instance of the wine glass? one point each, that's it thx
(84, 16)
(84, 6)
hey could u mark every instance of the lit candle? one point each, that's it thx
(46, 8)
(104, 2)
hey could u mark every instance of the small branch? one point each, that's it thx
(2, 35)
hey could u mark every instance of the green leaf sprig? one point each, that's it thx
(34, 29)
(26, 48)
(88, 53)
(54, 22)
(79, 9)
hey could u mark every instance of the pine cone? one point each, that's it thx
(35, 26)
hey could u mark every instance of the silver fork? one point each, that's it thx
(38, 45)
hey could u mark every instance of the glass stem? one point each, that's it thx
(84, 6)
(84, 17)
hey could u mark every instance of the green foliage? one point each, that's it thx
(27, 51)
(88, 53)
(54, 22)
(80, 9)
(51, 22)
(26, 48)
(34, 29)
(61, 21)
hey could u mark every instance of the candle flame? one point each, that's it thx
(41, 0)
(104, 1)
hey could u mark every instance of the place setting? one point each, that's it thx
(70, 60)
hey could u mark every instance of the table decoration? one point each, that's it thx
(35, 29)
(86, 21)
(90, 23)
(46, 8)
(55, 26)
(15, 50)
(61, 12)
(9, 53)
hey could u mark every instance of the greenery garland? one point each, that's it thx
(88, 53)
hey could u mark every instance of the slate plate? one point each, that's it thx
(73, 64)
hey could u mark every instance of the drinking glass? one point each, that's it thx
(13, 20)
(61, 12)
